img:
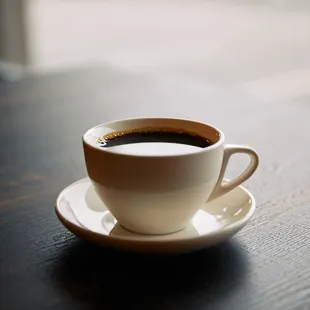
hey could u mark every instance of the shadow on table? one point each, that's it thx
(103, 279)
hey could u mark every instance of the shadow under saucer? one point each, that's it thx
(105, 279)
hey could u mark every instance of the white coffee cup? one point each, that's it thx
(160, 193)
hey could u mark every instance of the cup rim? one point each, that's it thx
(202, 150)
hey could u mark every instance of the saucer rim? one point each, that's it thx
(229, 230)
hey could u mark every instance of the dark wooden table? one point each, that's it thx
(43, 266)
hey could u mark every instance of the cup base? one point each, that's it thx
(153, 234)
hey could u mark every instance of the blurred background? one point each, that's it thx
(225, 42)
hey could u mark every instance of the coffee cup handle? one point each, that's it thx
(231, 149)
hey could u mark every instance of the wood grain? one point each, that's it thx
(43, 266)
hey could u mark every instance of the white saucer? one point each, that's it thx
(80, 210)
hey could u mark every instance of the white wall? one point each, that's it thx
(220, 41)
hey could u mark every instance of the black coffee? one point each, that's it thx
(155, 135)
